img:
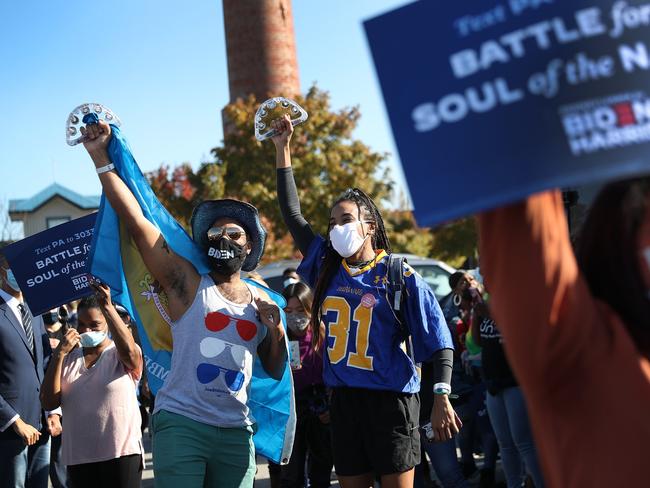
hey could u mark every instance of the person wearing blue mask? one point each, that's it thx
(24, 428)
(96, 386)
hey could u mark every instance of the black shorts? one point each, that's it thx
(374, 431)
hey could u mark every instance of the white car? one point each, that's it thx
(435, 273)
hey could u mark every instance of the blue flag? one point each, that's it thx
(117, 262)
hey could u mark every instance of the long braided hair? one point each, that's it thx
(367, 211)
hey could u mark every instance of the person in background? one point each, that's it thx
(312, 441)
(289, 277)
(505, 403)
(473, 412)
(56, 328)
(95, 385)
(68, 314)
(24, 428)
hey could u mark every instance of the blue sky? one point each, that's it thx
(161, 66)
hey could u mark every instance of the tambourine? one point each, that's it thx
(87, 113)
(276, 108)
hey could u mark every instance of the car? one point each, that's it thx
(435, 273)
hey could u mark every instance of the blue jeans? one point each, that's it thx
(445, 463)
(22, 466)
(58, 472)
(509, 418)
(476, 423)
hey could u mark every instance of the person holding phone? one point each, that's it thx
(93, 378)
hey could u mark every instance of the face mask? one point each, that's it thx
(289, 281)
(11, 280)
(92, 339)
(50, 318)
(226, 257)
(345, 239)
(297, 322)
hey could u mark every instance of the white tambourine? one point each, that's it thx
(88, 113)
(276, 108)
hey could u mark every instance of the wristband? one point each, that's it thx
(442, 389)
(105, 169)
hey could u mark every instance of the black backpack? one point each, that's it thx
(396, 294)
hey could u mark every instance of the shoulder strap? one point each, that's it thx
(397, 290)
(396, 296)
(396, 283)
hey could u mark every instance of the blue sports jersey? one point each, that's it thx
(363, 337)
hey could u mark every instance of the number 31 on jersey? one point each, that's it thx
(339, 330)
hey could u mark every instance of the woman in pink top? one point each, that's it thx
(95, 384)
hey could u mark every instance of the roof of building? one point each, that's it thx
(41, 198)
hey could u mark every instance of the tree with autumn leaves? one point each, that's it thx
(326, 160)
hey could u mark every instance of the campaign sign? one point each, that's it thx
(51, 267)
(490, 101)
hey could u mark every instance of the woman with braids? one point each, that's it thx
(374, 408)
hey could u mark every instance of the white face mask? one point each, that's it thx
(289, 281)
(297, 322)
(92, 339)
(345, 239)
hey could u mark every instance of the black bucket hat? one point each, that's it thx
(207, 212)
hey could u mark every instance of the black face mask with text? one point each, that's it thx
(225, 256)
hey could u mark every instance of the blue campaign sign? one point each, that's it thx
(51, 267)
(490, 101)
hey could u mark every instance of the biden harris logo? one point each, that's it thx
(607, 123)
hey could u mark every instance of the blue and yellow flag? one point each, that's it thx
(116, 260)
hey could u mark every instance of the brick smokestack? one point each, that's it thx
(261, 48)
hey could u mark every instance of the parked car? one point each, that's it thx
(435, 273)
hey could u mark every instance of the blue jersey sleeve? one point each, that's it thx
(424, 317)
(310, 266)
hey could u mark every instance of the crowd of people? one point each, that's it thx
(390, 386)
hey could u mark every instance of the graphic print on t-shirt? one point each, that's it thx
(228, 360)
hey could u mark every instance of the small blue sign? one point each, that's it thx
(51, 267)
(490, 101)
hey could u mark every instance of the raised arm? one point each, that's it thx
(550, 322)
(127, 350)
(288, 199)
(177, 276)
(51, 387)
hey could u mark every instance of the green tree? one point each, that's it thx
(326, 159)
(180, 189)
(456, 241)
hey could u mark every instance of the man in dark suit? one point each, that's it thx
(24, 430)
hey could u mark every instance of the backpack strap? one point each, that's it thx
(396, 296)
(396, 285)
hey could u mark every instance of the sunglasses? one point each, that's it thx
(206, 373)
(233, 233)
(217, 321)
(212, 347)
